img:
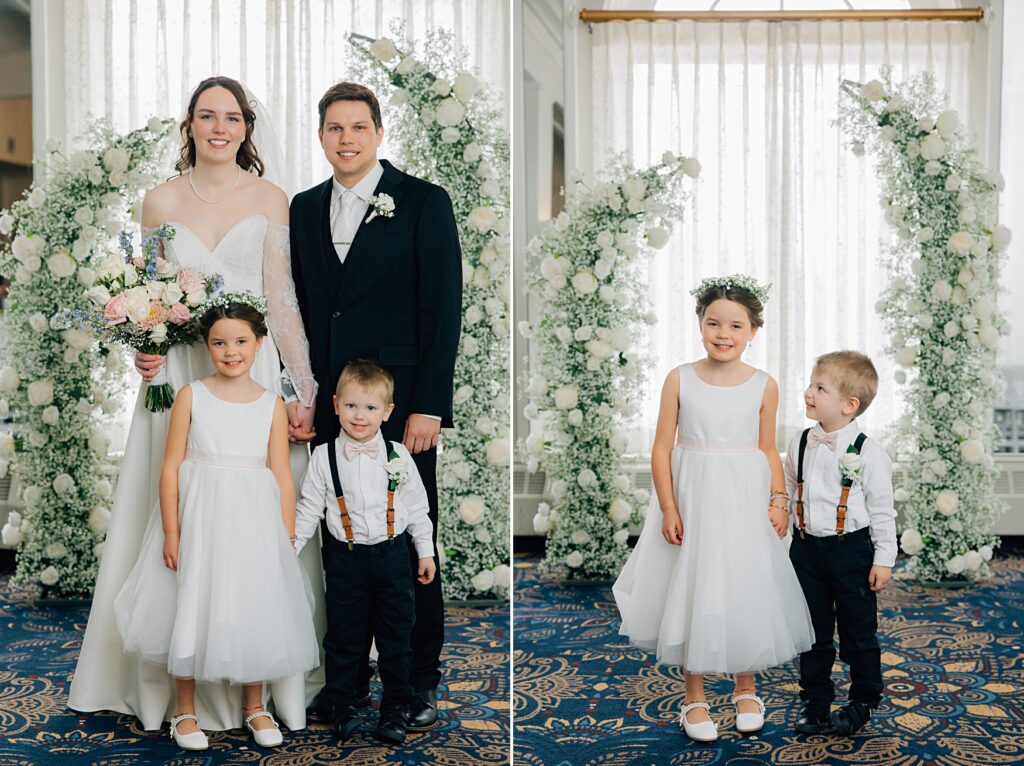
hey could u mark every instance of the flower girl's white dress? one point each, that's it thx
(727, 600)
(236, 609)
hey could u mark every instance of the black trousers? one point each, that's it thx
(369, 596)
(833, 572)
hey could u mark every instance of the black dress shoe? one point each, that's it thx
(423, 711)
(363, 697)
(391, 728)
(849, 719)
(813, 720)
(345, 721)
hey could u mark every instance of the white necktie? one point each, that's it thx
(343, 230)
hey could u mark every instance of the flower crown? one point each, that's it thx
(224, 300)
(733, 280)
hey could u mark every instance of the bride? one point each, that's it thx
(227, 220)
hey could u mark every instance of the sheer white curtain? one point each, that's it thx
(129, 59)
(781, 197)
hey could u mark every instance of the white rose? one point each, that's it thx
(941, 400)
(40, 392)
(116, 160)
(465, 87)
(99, 520)
(634, 188)
(158, 334)
(497, 452)
(887, 133)
(384, 49)
(472, 510)
(407, 65)
(586, 478)
(575, 418)
(471, 153)
(449, 113)
(954, 524)
(972, 560)
(38, 439)
(49, 576)
(851, 461)
(620, 511)
(911, 542)
(925, 321)
(86, 276)
(932, 168)
(932, 147)
(38, 322)
(947, 124)
(51, 416)
(502, 577)
(960, 242)
(61, 265)
(483, 581)
(1000, 238)
(584, 282)
(657, 237)
(691, 167)
(171, 293)
(541, 523)
(972, 451)
(574, 559)
(599, 349)
(942, 291)
(955, 565)
(985, 552)
(901, 495)
(989, 336)
(488, 188)
(946, 502)
(84, 216)
(9, 380)
(32, 264)
(873, 90)
(483, 219)
(925, 234)
(11, 535)
(579, 537)
(6, 223)
(63, 484)
(36, 198)
(55, 550)
(567, 397)
(558, 488)
(621, 536)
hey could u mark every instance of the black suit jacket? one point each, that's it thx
(397, 299)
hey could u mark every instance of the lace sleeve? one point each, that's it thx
(283, 316)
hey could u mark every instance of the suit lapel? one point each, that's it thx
(327, 264)
(363, 244)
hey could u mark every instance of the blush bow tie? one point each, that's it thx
(370, 449)
(817, 436)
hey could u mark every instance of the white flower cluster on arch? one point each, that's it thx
(941, 312)
(56, 380)
(442, 120)
(587, 272)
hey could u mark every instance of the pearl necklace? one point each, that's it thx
(191, 183)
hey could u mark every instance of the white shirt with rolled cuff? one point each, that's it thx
(365, 484)
(870, 503)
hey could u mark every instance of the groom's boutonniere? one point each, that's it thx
(382, 205)
(850, 465)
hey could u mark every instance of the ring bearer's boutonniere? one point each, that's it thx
(850, 466)
(382, 205)
(396, 469)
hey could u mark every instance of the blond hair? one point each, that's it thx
(368, 375)
(852, 373)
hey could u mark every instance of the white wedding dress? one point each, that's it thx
(252, 256)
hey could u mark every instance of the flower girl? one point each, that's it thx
(709, 584)
(216, 594)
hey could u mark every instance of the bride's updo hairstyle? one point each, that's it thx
(736, 294)
(243, 312)
(247, 158)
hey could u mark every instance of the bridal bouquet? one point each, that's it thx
(146, 304)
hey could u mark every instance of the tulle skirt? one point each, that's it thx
(238, 608)
(727, 600)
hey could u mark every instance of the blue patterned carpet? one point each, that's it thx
(39, 646)
(953, 662)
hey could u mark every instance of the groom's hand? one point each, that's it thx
(300, 423)
(421, 433)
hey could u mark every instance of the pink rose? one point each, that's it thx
(180, 313)
(190, 281)
(116, 310)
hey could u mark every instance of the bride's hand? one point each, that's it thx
(300, 423)
(147, 365)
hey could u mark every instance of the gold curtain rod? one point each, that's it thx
(917, 14)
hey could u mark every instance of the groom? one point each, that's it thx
(383, 283)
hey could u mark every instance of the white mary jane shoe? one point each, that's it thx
(748, 723)
(264, 737)
(705, 731)
(195, 740)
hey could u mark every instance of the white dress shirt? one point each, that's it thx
(349, 209)
(365, 484)
(870, 503)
